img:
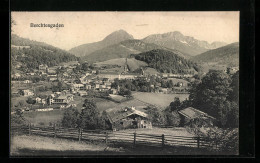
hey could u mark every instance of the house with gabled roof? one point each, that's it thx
(128, 117)
(191, 115)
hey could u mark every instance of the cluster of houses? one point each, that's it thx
(57, 100)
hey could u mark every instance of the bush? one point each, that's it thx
(172, 118)
(155, 116)
(70, 118)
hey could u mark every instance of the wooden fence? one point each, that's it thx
(135, 139)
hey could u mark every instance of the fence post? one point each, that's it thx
(80, 134)
(198, 141)
(134, 138)
(29, 128)
(162, 140)
(106, 137)
(216, 142)
(54, 130)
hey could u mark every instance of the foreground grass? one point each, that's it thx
(24, 145)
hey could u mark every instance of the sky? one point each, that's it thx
(87, 27)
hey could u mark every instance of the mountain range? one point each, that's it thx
(186, 45)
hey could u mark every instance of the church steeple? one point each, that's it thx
(125, 66)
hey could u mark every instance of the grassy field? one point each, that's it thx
(35, 117)
(36, 146)
(132, 63)
(105, 104)
(158, 99)
(212, 65)
(21, 145)
(177, 131)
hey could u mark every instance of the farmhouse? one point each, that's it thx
(191, 116)
(128, 117)
(62, 99)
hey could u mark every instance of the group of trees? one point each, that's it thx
(132, 85)
(165, 117)
(89, 118)
(38, 53)
(141, 85)
(167, 62)
(217, 95)
(35, 56)
(59, 87)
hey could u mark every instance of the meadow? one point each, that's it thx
(158, 99)
(43, 118)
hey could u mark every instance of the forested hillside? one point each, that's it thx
(167, 61)
(36, 53)
(228, 55)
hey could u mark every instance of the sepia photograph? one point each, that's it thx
(124, 83)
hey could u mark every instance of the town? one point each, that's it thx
(120, 93)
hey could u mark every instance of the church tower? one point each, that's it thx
(126, 66)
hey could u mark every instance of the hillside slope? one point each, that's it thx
(132, 63)
(113, 38)
(228, 55)
(30, 54)
(167, 61)
(124, 49)
(184, 44)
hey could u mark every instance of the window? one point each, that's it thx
(121, 123)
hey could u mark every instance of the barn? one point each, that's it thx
(192, 116)
(128, 117)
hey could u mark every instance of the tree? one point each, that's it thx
(176, 104)
(89, 116)
(172, 118)
(30, 101)
(155, 116)
(70, 118)
(234, 93)
(217, 95)
(209, 94)
(84, 66)
(17, 118)
(170, 84)
(102, 123)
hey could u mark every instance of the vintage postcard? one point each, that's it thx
(124, 83)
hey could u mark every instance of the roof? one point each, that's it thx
(193, 113)
(116, 114)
